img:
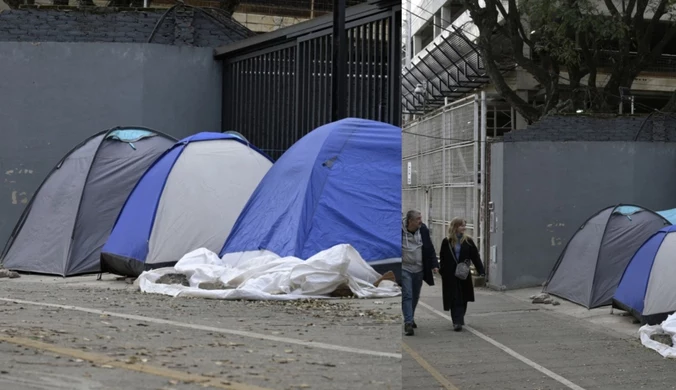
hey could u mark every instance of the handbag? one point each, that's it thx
(461, 268)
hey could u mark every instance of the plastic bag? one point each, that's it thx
(667, 327)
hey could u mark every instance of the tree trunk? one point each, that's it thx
(486, 19)
(578, 95)
(671, 104)
(119, 3)
(622, 77)
(521, 106)
(229, 5)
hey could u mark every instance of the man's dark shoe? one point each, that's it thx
(415, 326)
(408, 329)
(457, 328)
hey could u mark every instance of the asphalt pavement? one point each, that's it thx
(511, 343)
(79, 333)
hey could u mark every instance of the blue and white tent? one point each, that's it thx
(340, 184)
(646, 289)
(188, 199)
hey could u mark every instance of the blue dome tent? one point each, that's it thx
(341, 183)
(646, 289)
(188, 199)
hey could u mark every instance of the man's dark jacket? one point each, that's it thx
(429, 255)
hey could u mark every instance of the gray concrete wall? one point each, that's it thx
(549, 189)
(54, 95)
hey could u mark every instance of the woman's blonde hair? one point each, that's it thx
(453, 231)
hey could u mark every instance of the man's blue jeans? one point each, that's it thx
(411, 283)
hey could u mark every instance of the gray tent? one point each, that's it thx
(592, 263)
(70, 216)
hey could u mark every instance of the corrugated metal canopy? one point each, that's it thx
(450, 67)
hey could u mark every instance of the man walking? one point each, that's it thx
(418, 263)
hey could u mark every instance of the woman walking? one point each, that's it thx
(458, 248)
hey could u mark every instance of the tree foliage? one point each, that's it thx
(579, 37)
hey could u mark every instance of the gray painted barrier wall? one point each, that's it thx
(54, 95)
(544, 191)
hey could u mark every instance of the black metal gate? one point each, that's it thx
(277, 86)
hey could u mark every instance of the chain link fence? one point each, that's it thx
(440, 154)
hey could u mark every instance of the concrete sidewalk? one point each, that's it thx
(511, 343)
(79, 333)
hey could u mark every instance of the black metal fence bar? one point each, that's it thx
(275, 92)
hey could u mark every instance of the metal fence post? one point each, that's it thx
(484, 196)
(339, 106)
(475, 166)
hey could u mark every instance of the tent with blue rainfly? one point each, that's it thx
(68, 220)
(646, 289)
(188, 199)
(339, 184)
(590, 267)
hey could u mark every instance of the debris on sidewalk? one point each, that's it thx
(173, 279)
(5, 273)
(126, 279)
(544, 298)
(662, 338)
(342, 291)
(216, 285)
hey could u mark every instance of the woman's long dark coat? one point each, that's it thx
(456, 291)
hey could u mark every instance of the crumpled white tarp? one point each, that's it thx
(262, 275)
(668, 327)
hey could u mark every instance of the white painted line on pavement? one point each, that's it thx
(243, 333)
(509, 351)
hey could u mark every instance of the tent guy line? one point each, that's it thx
(260, 336)
(509, 351)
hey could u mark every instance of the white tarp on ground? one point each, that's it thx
(667, 327)
(263, 275)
